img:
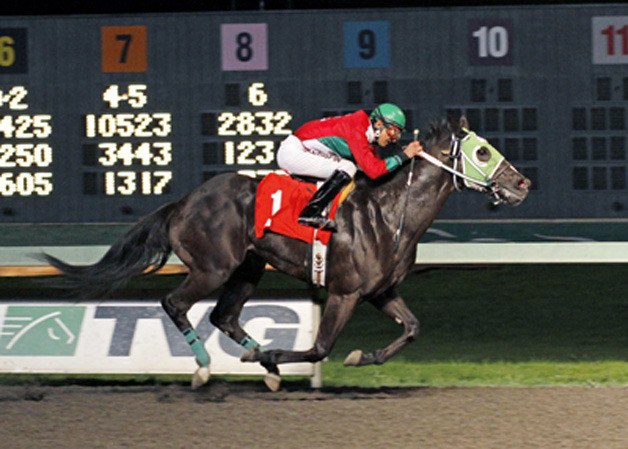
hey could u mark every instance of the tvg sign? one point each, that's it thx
(50, 330)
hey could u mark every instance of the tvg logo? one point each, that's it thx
(126, 320)
(40, 330)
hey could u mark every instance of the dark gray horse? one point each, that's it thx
(211, 230)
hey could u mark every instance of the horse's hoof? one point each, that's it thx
(250, 356)
(200, 377)
(353, 359)
(272, 381)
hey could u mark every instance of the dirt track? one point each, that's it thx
(226, 415)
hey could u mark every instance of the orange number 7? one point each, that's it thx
(124, 48)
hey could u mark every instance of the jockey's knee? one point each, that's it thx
(348, 167)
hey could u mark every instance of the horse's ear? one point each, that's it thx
(464, 123)
(453, 124)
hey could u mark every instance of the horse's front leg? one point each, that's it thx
(338, 310)
(395, 307)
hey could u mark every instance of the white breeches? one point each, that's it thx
(311, 158)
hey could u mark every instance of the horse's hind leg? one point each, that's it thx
(197, 285)
(225, 316)
(395, 307)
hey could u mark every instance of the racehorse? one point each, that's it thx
(211, 231)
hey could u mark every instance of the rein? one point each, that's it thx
(455, 155)
(486, 185)
(397, 237)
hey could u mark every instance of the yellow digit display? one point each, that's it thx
(127, 153)
(25, 155)
(26, 126)
(247, 123)
(7, 52)
(251, 137)
(135, 96)
(22, 151)
(25, 183)
(130, 144)
(14, 98)
(126, 182)
(157, 124)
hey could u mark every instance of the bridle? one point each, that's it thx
(460, 153)
(462, 148)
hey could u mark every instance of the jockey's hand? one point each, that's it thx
(413, 149)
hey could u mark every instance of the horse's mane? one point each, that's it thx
(437, 130)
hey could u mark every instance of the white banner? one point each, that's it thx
(131, 336)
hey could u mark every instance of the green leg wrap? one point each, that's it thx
(202, 357)
(249, 343)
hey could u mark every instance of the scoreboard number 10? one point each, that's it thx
(490, 42)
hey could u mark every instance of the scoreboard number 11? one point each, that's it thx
(609, 39)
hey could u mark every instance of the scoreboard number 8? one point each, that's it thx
(244, 46)
(244, 51)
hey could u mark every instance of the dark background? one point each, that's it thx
(16, 7)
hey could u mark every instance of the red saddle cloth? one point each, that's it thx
(278, 203)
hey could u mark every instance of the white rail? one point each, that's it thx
(427, 253)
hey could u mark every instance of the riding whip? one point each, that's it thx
(405, 200)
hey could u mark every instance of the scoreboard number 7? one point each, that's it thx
(124, 49)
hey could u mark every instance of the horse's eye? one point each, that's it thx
(482, 154)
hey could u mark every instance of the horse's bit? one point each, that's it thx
(457, 155)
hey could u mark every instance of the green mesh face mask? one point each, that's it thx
(479, 160)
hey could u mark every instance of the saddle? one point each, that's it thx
(278, 203)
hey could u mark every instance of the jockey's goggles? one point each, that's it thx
(393, 132)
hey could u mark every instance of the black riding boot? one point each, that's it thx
(312, 214)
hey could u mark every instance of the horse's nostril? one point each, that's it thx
(524, 183)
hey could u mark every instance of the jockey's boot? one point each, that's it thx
(312, 213)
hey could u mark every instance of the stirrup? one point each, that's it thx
(318, 222)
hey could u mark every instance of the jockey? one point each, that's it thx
(334, 148)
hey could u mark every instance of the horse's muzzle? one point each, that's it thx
(509, 186)
(513, 193)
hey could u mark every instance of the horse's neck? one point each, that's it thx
(430, 186)
(428, 192)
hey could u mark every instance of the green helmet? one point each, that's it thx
(390, 114)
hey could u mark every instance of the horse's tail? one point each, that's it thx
(144, 249)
